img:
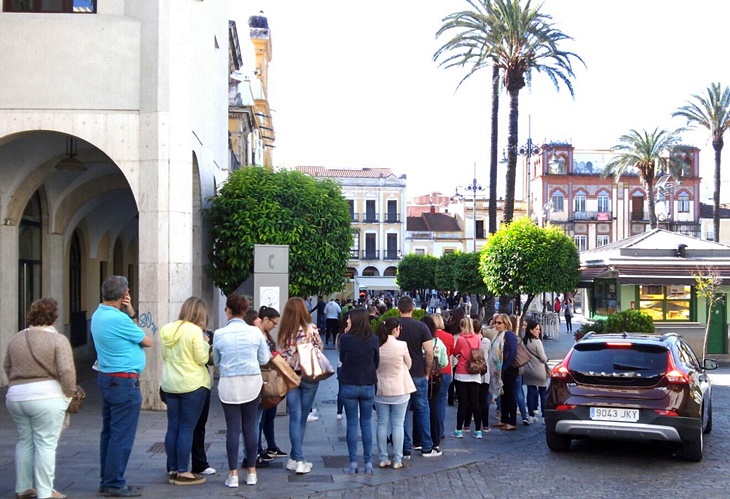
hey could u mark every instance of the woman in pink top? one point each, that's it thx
(467, 388)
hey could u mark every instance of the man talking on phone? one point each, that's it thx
(119, 345)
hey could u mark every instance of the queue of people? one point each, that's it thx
(403, 365)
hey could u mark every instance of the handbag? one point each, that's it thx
(523, 355)
(285, 371)
(312, 362)
(435, 376)
(274, 387)
(77, 399)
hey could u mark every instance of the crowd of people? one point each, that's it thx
(402, 366)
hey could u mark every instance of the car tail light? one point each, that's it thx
(674, 374)
(619, 344)
(565, 407)
(561, 371)
(666, 413)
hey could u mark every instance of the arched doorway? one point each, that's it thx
(30, 233)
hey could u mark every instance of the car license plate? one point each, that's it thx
(614, 414)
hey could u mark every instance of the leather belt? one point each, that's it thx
(121, 375)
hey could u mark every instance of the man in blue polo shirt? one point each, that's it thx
(119, 346)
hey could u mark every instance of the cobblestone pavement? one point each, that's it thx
(503, 464)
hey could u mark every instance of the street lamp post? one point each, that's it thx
(474, 187)
(528, 150)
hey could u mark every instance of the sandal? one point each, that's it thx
(28, 494)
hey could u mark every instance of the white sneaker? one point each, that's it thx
(208, 471)
(251, 479)
(532, 419)
(312, 417)
(339, 417)
(291, 465)
(232, 481)
(303, 467)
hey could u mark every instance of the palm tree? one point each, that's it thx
(651, 153)
(468, 47)
(711, 111)
(522, 39)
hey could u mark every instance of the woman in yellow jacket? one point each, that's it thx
(186, 385)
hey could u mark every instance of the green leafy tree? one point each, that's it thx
(521, 40)
(445, 268)
(393, 312)
(467, 278)
(417, 272)
(711, 111)
(707, 286)
(630, 321)
(261, 206)
(468, 47)
(651, 154)
(524, 259)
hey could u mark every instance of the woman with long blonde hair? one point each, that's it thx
(186, 385)
(295, 327)
(502, 374)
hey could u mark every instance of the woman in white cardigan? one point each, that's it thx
(394, 391)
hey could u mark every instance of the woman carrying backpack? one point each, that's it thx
(469, 369)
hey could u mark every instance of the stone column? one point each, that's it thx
(8, 290)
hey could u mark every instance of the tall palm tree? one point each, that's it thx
(523, 39)
(711, 111)
(468, 47)
(651, 153)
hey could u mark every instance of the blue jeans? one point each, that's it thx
(340, 403)
(39, 425)
(359, 397)
(300, 402)
(183, 413)
(267, 428)
(121, 402)
(421, 411)
(443, 396)
(533, 393)
(520, 394)
(391, 417)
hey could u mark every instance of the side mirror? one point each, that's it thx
(709, 364)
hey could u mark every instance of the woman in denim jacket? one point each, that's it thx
(238, 351)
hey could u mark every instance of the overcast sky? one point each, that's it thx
(353, 84)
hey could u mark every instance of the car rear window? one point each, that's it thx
(601, 363)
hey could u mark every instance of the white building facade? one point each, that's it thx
(113, 132)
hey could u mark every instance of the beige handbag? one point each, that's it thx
(313, 363)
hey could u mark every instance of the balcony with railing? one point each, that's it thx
(600, 216)
(391, 254)
(370, 254)
(392, 218)
(355, 216)
(370, 217)
(354, 254)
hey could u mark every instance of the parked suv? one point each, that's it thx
(631, 386)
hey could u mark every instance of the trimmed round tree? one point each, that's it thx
(261, 206)
(416, 273)
(524, 259)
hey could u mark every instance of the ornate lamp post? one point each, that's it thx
(474, 187)
(528, 150)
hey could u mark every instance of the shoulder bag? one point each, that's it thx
(274, 387)
(77, 399)
(523, 355)
(313, 363)
(285, 371)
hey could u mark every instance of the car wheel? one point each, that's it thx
(708, 428)
(692, 449)
(557, 442)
